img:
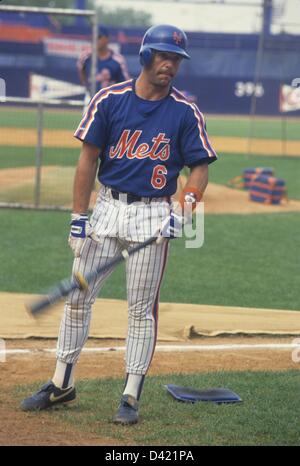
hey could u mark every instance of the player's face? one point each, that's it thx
(164, 67)
(102, 43)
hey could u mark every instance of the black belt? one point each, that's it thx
(130, 198)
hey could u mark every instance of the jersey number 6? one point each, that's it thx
(158, 179)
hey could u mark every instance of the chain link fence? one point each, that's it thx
(38, 152)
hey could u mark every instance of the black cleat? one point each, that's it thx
(128, 411)
(49, 395)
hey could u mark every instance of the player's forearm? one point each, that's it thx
(83, 78)
(84, 179)
(198, 177)
(83, 185)
(195, 186)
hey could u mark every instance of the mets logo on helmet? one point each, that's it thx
(177, 36)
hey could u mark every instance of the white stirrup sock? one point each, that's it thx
(133, 385)
(63, 375)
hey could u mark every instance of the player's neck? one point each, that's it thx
(104, 54)
(148, 91)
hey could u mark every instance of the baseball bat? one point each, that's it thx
(64, 287)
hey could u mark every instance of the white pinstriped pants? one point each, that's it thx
(120, 224)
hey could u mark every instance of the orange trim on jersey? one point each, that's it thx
(200, 119)
(88, 118)
(202, 131)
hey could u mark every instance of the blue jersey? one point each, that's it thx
(109, 71)
(144, 144)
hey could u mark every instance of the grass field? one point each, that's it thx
(245, 261)
(262, 127)
(227, 167)
(14, 157)
(60, 185)
(12, 117)
(232, 266)
(217, 126)
(268, 415)
(230, 165)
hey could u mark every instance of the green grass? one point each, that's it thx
(227, 167)
(20, 117)
(246, 260)
(268, 415)
(15, 157)
(15, 117)
(230, 165)
(56, 187)
(56, 184)
(262, 128)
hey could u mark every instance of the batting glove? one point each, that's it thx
(171, 228)
(80, 230)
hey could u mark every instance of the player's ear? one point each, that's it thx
(146, 56)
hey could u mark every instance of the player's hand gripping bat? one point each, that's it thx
(64, 287)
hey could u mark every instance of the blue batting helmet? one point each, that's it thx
(103, 31)
(164, 38)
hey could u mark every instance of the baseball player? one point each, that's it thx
(136, 136)
(111, 66)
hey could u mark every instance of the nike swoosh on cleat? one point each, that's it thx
(54, 398)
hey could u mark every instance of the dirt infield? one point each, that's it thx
(11, 177)
(27, 137)
(18, 428)
(218, 199)
(30, 360)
